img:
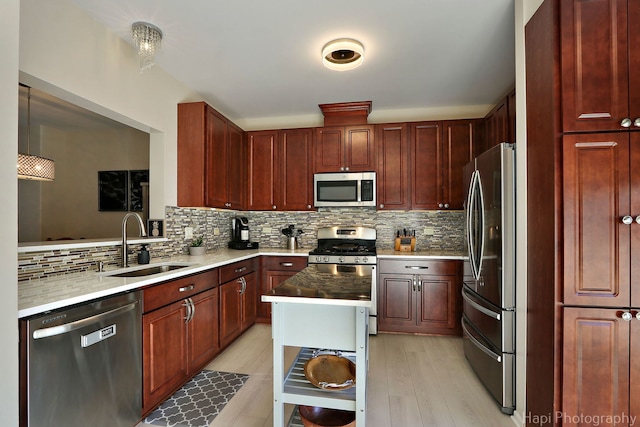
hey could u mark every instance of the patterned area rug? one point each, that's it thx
(199, 401)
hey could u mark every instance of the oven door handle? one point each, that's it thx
(478, 307)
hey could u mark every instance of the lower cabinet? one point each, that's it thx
(600, 362)
(276, 269)
(238, 299)
(180, 334)
(419, 296)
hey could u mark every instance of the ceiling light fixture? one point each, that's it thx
(343, 54)
(33, 167)
(147, 38)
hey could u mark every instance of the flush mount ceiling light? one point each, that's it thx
(342, 54)
(33, 167)
(147, 38)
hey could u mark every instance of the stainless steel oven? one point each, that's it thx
(350, 250)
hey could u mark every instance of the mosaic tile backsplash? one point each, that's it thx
(444, 231)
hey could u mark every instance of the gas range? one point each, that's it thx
(345, 245)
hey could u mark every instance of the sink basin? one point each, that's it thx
(146, 271)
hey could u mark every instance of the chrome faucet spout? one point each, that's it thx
(125, 250)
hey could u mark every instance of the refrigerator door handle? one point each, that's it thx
(470, 208)
(478, 307)
(478, 344)
(475, 203)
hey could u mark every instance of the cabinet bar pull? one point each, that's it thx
(416, 267)
(240, 270)
(186, 288)
(286, 264)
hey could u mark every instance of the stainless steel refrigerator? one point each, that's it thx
(488, 319)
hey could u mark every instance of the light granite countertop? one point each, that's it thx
(54, 292)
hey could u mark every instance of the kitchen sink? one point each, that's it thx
(146, 271)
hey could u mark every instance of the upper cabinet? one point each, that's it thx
(392, 173)
(210, 158)
(500, 123)
(439, 151)
(279, 170)
(345, 149)
(600, 65)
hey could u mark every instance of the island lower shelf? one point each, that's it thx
(299, 391)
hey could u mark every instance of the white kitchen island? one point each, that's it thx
(318, 309)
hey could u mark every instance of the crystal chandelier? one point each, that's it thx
(147, 38)
(33, 167)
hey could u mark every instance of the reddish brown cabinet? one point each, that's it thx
(419, 296)
(261, 170)
(439, 151)
(180, 333)
(392, 173)
(344, 149)
(600, 63)
(279, 170)
(600, 364)
(276, 269)
(210, 158)
(238, 299)
(601, 206)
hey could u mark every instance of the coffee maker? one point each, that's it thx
(240, 234)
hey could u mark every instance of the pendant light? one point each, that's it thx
(33, 167)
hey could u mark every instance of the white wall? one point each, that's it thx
(9, 19)
(71, 56)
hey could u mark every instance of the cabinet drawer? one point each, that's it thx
(168, 292)
(418, 266)
(285, 263)
(237, 269)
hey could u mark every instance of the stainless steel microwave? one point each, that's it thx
(344, 189)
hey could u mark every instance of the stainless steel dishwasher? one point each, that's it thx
(84, 365)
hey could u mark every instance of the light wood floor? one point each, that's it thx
(413, 381)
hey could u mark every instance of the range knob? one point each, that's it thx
(318, 258)
(356, 260)
(341, 259)
(326, 258)
(365, 259)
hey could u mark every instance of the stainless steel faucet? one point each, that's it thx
(125, 251)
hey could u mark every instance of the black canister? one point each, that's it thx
(143, 256)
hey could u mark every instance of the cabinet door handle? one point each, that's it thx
(638, 219)
(636, 122)
(244, 285)
(413, 281)
(240, 270)
(189, 308)
(185, 288)
(416, 267)
(419, 285)
(626, 122)
(290, 264)
(381, 205)
(627, 219)
(638, 315)
(239, 280)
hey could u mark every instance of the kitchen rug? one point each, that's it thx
(199, 401)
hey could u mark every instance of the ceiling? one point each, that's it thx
(259, 60)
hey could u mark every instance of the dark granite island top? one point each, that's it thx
(327, 285)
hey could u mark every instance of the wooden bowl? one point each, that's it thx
(315, 416)
(330, 372)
